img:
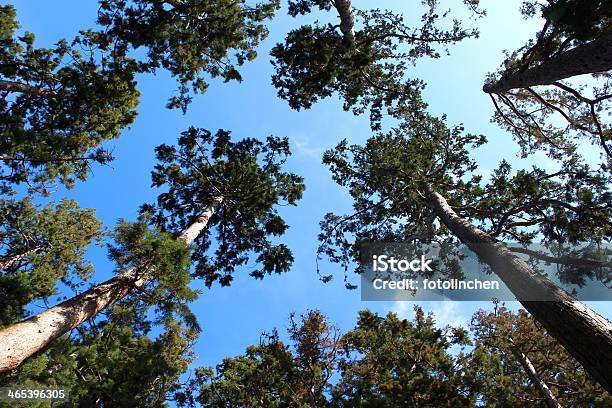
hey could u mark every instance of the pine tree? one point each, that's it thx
(366, 66)
(576, 39)
(41, 247)
(214, 185)
(57, 105)
(533, 367)
(403, 181)
(189, 38)
(534, 95)
(382, 362)
(393, 362)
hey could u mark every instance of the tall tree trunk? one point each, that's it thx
(347, 18)
(22, 340)
(545, 392)
(589, 58)
(11, 86)
(12, 260)
(586, 335)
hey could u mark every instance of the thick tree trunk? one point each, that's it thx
(12, 260)
(589, 58)
(586, 335)
(545, 392)
(22, 340)
(347, 18)
(11, 86)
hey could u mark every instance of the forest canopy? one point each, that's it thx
(177, 176)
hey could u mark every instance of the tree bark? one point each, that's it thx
(589, 58)
(545, 392)
(12, 260)
(347, 18)
(11, 86)
(586, 335)
(22, 340)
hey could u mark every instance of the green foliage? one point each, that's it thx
(189, 38)
(369, 72)
(563, 115)
(134, 353)
(385, 179)
(137, 245)
(41, 247)
(271, 374)
(502, 379)
(248, 175)
(392, 362)
(73, 97)
(115, 362)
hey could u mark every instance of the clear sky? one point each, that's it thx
(234, 317)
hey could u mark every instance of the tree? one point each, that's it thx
(576, 39)
(403, 181)
(213, 184)
(534, 367)
(57, 105)
(366, 66)
(390, 362)
(41, 247)
(119, 361)
(383, 362)
(189, 38)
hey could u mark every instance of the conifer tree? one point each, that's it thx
(57, 105)
(364, 59)
(534, 94)
(418, 182)
(41, 247)
(576, 39)
(383, 361)
(189, 38)
(393, 362)
(519, 363)
(216, 189)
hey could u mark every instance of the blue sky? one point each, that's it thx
(234, 317)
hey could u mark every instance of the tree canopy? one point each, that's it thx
(41, 248)
(191, 39)
(59, 104)
(368, 69)
(574, 40)
(389, 362)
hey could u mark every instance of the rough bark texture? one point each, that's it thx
(586, 335)
(10, 86)
(347, 18)
(536, 380)
(589, 58)
(22, 340)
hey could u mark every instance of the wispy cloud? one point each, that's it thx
(445, 312)
(304, 147)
